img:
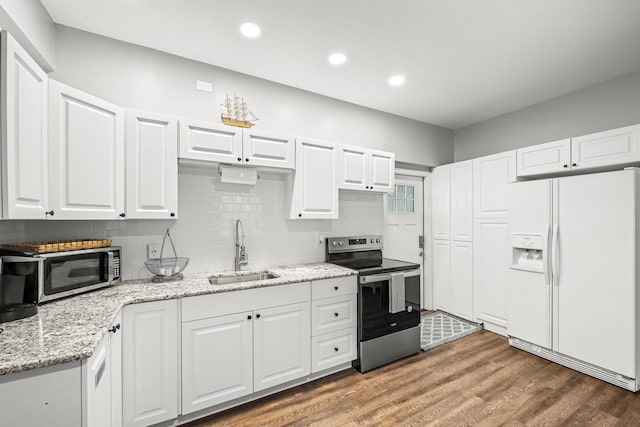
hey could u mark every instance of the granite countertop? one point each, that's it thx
(71, 328)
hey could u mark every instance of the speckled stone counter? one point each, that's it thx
(71, 328)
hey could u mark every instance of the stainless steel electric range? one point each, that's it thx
(388, 308)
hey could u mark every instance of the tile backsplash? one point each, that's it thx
(204, 231)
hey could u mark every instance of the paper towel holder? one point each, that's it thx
(237, 174)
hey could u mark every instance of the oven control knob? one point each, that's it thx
(340, 242)
(377, 240)
(372, 241)
(410, 309)
(334, 243)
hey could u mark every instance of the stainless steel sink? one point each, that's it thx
(224, 280)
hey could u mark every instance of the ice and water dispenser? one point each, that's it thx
(527, 252)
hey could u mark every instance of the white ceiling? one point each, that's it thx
(464, 60)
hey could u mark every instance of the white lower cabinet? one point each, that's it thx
(462, 279)
(442, 274)
(150, 362)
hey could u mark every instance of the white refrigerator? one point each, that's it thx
(572, 283)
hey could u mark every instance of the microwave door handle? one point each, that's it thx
(109, 267)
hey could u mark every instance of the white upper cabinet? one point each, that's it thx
(215, 142)
(364, 169)
(24, 133)
(441, 202)
(612, 147)
(152, 165)
(315, 189)
(211, 142)
(491, 176)
(86, 155)
(552, 157)
(261, 148)
(462, 201)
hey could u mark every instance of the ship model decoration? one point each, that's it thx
(235, 113)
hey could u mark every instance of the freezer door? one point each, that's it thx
(529, 292)
(595, 288)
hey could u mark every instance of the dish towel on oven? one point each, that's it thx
(396, 293)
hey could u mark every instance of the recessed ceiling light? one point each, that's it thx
(249, 29)
(337, 58)
(396, 80)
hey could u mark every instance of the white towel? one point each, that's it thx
(396, 293)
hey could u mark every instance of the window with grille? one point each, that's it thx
(402, 201)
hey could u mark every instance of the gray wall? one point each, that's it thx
(31, 25)
(608, 105)
(138, 77)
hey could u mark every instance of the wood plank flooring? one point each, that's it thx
(477, 380)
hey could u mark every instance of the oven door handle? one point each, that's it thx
(382, 277)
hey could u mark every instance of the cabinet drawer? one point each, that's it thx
(332, 314)
(333, 349)
(334, 287)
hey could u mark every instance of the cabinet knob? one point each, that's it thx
(371, 187)
(565, 166)
(574, 164)
(115, 328)
(172, 214)
(366, 186)
(299, 215)
(246, 160)
(122, 215)
(249, 317)
(335, 288)
(258, 316)
(336, 314)
(51, 212)
(336, 349)
(239, 159)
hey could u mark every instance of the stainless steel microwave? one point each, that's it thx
(62, 274)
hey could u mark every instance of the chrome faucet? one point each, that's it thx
(242, 258)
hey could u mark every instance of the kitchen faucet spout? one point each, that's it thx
(241, 256)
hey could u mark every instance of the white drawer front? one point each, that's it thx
(333, 349)
(333, 287)
(332, 314)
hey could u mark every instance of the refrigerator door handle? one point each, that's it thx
(554, 254)
(545, 254)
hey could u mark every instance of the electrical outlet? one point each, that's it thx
(152, 251)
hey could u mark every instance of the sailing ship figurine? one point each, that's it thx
(236, 113)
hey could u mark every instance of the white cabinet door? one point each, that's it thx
(116, 371)
(97, 385)
(353, 168)
(315, 189)
(150, 362)
(86, 155)
(211, 142)
(382, 171)
(490, 268)
(551, 157)
(462, 279)
(262, 148)
(281, 344)
(491, 176)
(442, 274)
(612, 147)
(152, 165)
(441, 202)
(24, 133)
(217, 360)
(462, 201)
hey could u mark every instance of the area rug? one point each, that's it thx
(440, 328)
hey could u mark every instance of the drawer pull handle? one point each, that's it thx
(336, 349)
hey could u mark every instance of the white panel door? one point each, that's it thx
(152, 165)
(217, 360)
(24, 133)
(442, 274)
(462, 201)
(529, 292)
(551, 157)
(213, 142)
(316, 183)
(86, 156)
(381, 171)
(262, 148)
(462, 279)
(612, 147)
(596, 286)
(441, 202)
(281, 344)
(490, 266)
(150, 362)
(352, 168)
(491, 175)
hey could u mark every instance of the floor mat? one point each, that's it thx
(440, 328)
